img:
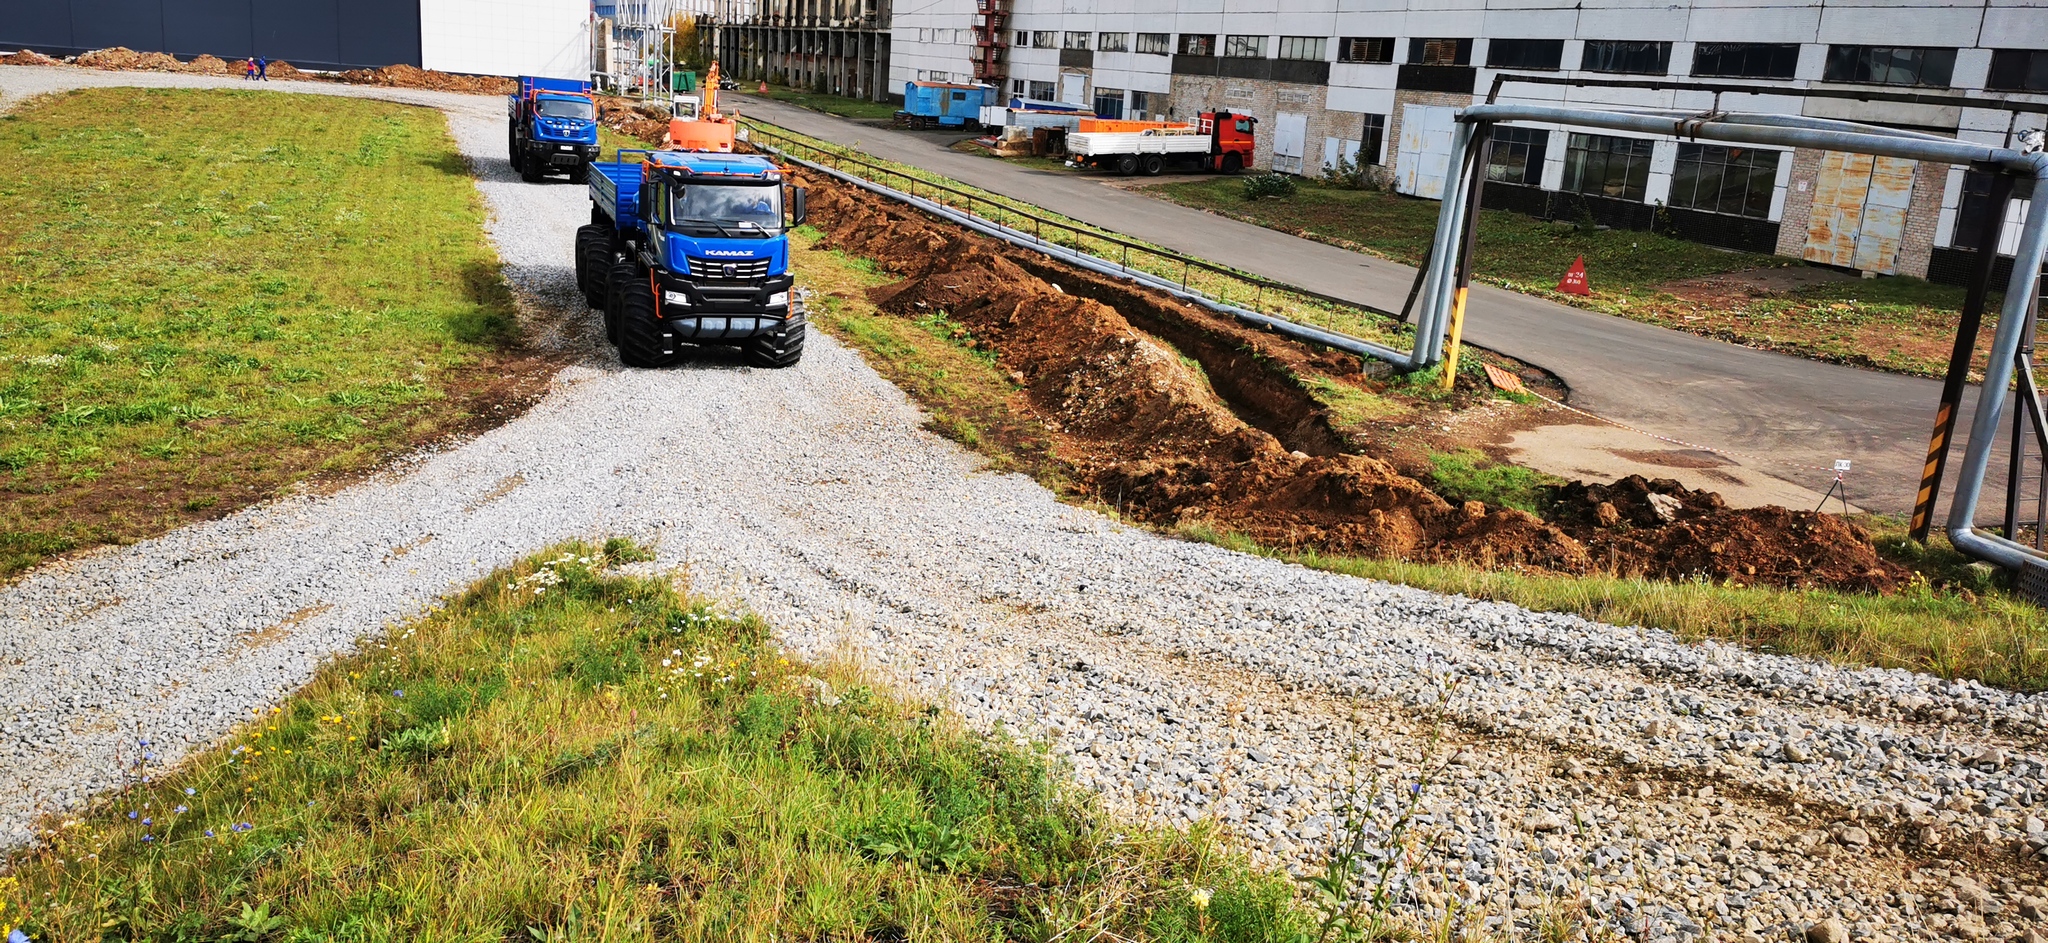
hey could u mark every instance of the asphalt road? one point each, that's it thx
(1794, 416)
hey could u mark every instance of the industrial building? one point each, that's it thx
(481, 37)
(1377, 82)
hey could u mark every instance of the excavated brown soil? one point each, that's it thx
(27, 57)
(1243, 446)
(405, 76)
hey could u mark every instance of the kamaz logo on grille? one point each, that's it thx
(729, 270)
(728, 252)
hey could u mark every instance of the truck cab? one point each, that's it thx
(553, 128)
(690, 249)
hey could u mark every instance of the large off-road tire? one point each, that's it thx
(530, 169)
(1127, 164)
(783, 348)
(1153, 165)
(644, 341)
(1233, 164)
(620, 275)
(512, 151)
(593, 263)
(581, 175)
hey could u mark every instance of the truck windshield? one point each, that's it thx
(736, 210)
(566, 108)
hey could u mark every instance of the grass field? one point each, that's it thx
(206, 296)
(564, 753)
(1901, 324)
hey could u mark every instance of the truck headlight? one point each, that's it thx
(779, 300)
(676, 298)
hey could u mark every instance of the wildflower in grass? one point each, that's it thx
(209, 833)
(191, 791)
(149, 838)
(180, 810)
(149, 821)
(1199, 896)
(132, 815)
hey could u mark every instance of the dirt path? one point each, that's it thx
(1659, 788)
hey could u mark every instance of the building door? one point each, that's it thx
(1290, 138)
(1859, 211)
(1073, 88)
(1423, 160)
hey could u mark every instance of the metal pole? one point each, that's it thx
(1965, 349)
(1483, 155)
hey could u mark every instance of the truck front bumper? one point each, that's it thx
(560, 154)
(711, 312)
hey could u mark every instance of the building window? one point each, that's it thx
(938, 76)
(1043, 91)
(1306, 48)
(1045, 39)
(1517, 156)
(1141, 106)
(2019, 70)
(1890, 65)
(1746, 60)
(1365, 49)
(1244, 47)
(1017, 87)
(1440, 51)
(1525, 53)
(1157, 44)
(1372, 136)
(1609, 55)
(1076, 41)
(1600, 165)
(1113, 42)
(1023, 39)
(1109, 102)
(1737, 181)
(1197, 44)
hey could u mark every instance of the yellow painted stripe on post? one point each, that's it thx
(1457, 335)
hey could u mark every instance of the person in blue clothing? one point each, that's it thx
(262, 69)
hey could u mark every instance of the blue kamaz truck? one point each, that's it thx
(688, 248)
(553, 128)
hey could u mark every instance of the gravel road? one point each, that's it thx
(1675, 790)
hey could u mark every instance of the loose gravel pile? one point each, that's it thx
(1670, 790)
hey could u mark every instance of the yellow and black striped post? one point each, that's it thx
(1967, 329)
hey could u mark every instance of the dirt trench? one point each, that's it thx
(1242, 445)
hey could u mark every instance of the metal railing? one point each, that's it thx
(1369, 329)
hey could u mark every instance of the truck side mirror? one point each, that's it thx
(797, 211)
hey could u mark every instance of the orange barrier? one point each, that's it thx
(1118, 125)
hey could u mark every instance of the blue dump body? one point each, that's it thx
(553, 127)
(710, 230)
(942, 104)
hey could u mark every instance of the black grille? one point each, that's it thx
(728, 268)
(2033, 583)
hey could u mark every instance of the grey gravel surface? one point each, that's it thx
(1670, 790)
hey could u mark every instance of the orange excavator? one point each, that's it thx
(708, 132)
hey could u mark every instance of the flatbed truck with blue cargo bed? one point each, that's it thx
(553, 128)
(687, 248)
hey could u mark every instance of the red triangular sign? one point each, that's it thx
(1574, 280)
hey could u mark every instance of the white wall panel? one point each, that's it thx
(1774, 24)
(2016, 27)
(1374, 101)
(1632, 22)
(1920, 25)
(507, 37)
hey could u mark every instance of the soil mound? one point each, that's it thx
(1660, 528)
(118, 57)
(1145, 433)
(1142, 430)
(27, 57)
(406, 76)
(624, 116)
(211, 65)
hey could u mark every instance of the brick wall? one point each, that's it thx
(1798, 203)
(1923, 214)
(1263, 99)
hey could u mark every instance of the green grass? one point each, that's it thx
(1469, 475)
(208, 295)
(564, 753)
(1903, 324)
(1992, 638)
(829, 104)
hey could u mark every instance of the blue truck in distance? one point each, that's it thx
(691, 249)
(553, 128)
